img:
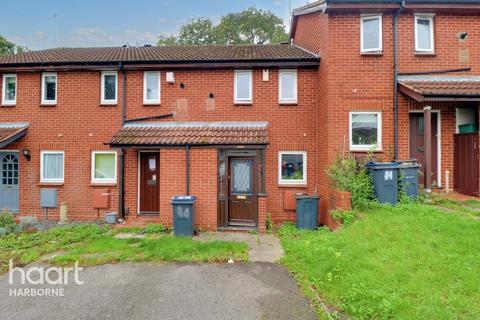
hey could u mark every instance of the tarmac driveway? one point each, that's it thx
(165, 291)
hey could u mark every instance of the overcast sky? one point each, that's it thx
(73, 23)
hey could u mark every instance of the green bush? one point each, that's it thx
(7, 222)
(349, 176)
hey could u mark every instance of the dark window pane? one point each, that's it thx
(292, 166)
(10, 88)
(364, 129)
(50, 88)
(110, 83)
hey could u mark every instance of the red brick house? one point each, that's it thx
(399, 78)
(231, 125)
(243, 128)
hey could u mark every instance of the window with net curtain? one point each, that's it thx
(104, 167)
(423, 33)
(371, 33)
(288, 86)
(151, 87)
(364, 130)
(52, 166)
(243, 86)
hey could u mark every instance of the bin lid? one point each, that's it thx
(183, 199)
(307, 196)
(382, 165)
(406, 164)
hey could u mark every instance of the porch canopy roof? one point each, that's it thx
(12, 131)
(440, 88)
(178, 133)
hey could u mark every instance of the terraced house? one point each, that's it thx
(244, 128)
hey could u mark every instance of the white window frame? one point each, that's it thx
(6, 102)
(369, 147)
(424, 16)
(102, 87)
(42, 160)
(44, 75)
(103, 180)
(295, 89)
(155, 101)
(243, 100)
(292, 182)
(380, 30)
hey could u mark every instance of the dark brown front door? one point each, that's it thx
(242, 194)
(417, 145)
(149, 183)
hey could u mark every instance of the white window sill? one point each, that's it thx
(151, 103)
(103, 183)
(425, 53)
(9, 104)
(365, 149)
(52, 182)
(288, 102)
(48, 103)
(108, 103)
(292, 183)
(372, 53)
(243, 102)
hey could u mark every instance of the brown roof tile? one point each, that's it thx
(441, 88)
(193, 133)
(12, 131)
(207, 53)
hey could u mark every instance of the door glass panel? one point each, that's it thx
(242, 176)
(10, 170)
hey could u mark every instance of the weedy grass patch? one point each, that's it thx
(411, 261)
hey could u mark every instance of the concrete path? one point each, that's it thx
(169, 291)
(263, 247)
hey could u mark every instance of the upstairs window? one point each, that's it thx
(109, 87)
(365, 131)
(49, 88)
(424, 33)
(288, 86)
(9, 89)
(243, 86)
(292, 167)
(104, 167)
(52, 166)
(151, 88)
(371, 33)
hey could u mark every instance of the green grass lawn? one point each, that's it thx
(408, 262)
(90, 245)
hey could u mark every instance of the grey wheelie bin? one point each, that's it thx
(408, 176)
(307, 211)
(385, 180)
(183, 215)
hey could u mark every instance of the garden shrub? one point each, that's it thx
(349, 176)
(7, 223)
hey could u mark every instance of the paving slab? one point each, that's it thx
(263, 247)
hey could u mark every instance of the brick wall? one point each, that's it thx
(350, 81)
(78, 125)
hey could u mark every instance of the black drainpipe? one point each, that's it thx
(187, 165)
(395, 78)
(121, 191)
